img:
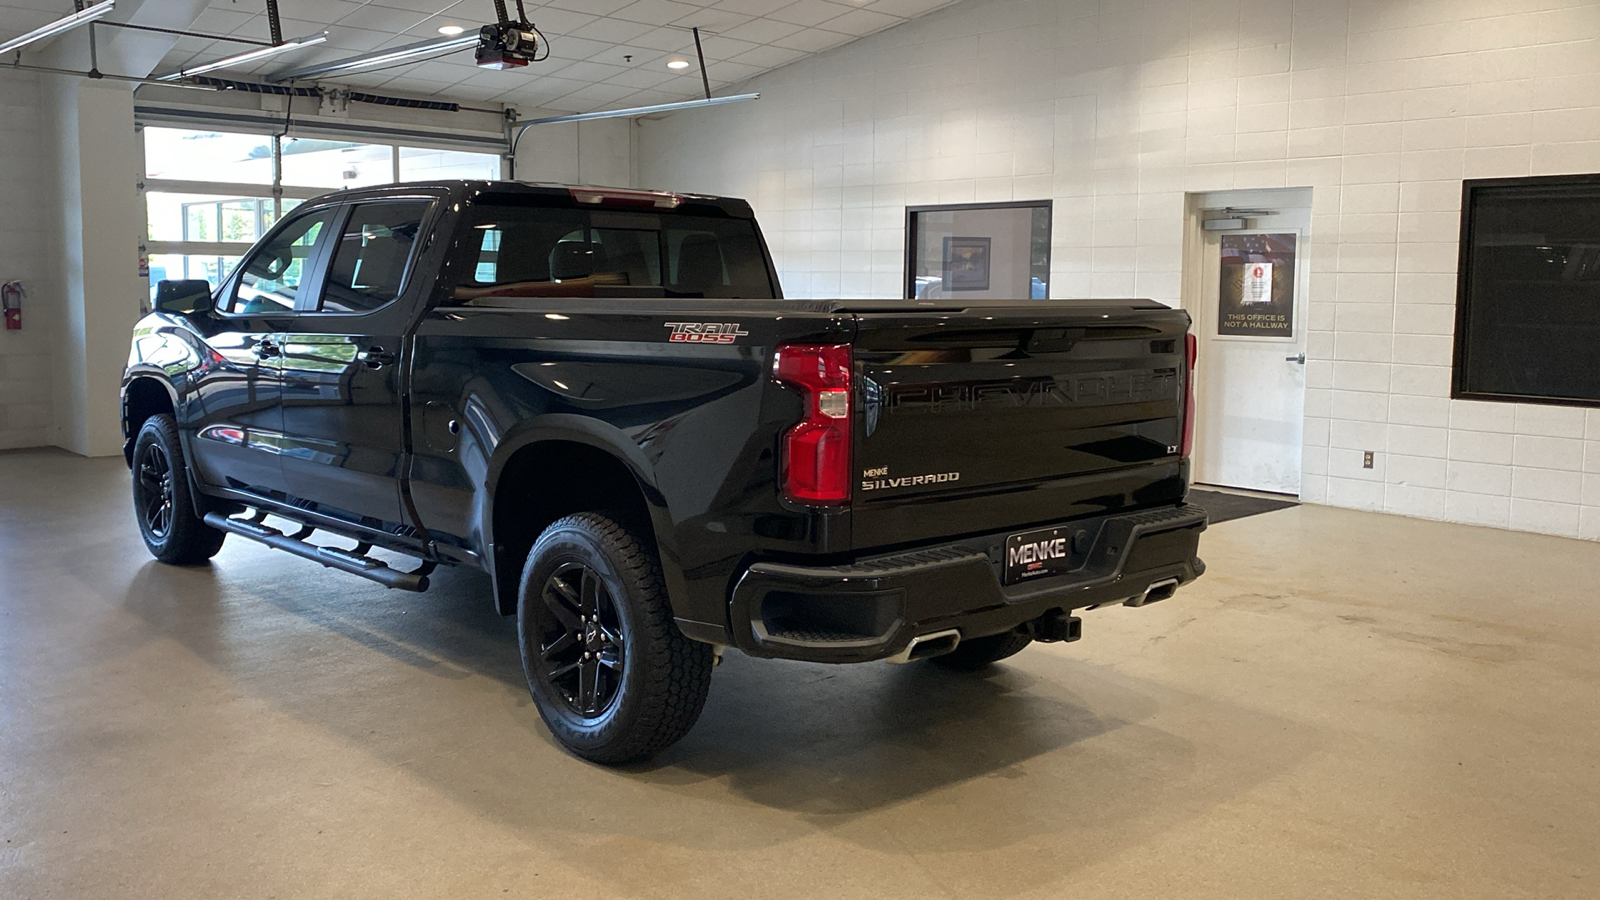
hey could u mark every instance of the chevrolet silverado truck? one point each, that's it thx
(600, 398)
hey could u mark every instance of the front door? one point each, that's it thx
(236, 433)
(1248, 283)
(343, 410)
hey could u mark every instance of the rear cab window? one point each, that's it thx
(517, 250)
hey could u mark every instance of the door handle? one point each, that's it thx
(376, 357)
(265, 349)
(1301, 359)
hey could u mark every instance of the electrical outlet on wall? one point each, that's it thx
(1366, 460)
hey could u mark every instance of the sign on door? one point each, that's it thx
(1257, 290)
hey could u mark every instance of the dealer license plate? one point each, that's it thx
(1038, 554)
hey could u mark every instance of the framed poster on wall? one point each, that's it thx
(1256, 297)
(966, 263)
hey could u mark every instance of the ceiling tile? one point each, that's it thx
(769, 57)
(761, 31)
(908, 8)
(612, 31)
(812, 40)
(654, 12)
(810, 12)
(715, 21)
(861, 22)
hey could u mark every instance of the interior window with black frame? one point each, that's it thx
(1528, 295)
(372, 257)
(269, 283)
(532, 251)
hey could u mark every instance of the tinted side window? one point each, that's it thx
(269, 282)
(372, 257)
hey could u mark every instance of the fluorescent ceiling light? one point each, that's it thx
(450, 30)
(379, 58)
(98, 11)
(249, 56)
(678, 64)
(636, 111)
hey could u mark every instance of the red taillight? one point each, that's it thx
(1191, 347)
(816, 452)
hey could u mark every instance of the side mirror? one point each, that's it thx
(183, 297)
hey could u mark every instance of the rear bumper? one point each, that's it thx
(874, 608)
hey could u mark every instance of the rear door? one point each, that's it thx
(343, 414)
(237, 437)
(995, 417)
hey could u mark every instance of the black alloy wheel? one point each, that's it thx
(153, 490)
(582, 645)
(612, 676)
(172, 528)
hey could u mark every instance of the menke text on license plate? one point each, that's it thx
(1038, 554)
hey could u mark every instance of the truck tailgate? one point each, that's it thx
(999, 415)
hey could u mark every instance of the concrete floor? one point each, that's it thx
(1347, 705)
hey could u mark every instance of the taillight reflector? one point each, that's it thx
(1191, 348)
(816, 452)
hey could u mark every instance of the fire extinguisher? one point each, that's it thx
(11, 295)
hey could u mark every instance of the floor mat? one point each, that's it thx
(1221, 506)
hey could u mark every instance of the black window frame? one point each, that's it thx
(909, 275)
(1459, 371)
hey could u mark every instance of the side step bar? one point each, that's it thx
(356, 562)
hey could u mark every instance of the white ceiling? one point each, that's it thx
(590, 41)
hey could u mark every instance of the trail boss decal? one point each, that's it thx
(878, 479)
(705, 332)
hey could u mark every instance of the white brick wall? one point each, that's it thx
(1115, 110)
(25, 399)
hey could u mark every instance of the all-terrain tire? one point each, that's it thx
(162, 504)
(613, 677)
(977, 653)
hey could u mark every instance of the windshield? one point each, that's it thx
(529, 251)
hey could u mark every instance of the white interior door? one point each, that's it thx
(1250, 378)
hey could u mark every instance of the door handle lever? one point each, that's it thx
(376, 357)
(265, 348)
(1301, 359)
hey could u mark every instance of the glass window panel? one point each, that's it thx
(369, 265)
(272, 275)
(199, 217)
(239, 220)
(312, 162)
(992, 252)
(417, 164)
(187, 155)
(1530, 304)
(200, 221)
(177, 267)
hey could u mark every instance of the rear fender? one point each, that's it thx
(602, 437)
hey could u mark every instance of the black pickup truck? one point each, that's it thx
(600, 398)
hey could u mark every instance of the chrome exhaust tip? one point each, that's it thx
(1156, 592)
(925, 645)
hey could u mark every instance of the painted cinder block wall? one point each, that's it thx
(26, 356)
(1116, 109)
